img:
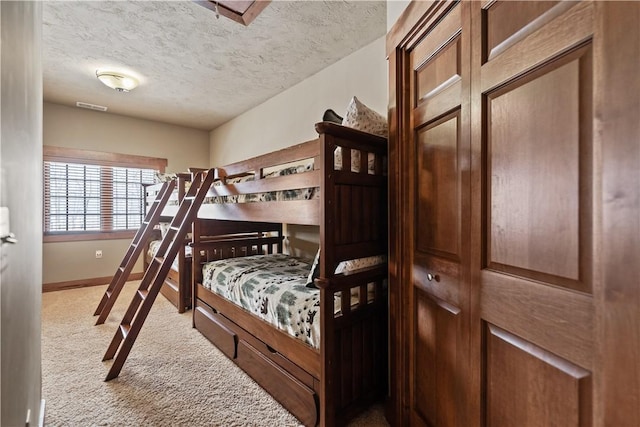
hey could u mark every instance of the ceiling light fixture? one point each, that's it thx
(118, 81)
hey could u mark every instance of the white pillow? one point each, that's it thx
(356, 264)
(164, 227)
(314, 273)
(361, 117)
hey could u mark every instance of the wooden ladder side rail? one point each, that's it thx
(135, 249)
(155, 275)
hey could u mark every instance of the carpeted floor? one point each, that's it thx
(173, 376)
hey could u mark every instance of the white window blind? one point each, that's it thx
(85, 198)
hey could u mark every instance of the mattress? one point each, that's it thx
(153, 249)
(274, 288)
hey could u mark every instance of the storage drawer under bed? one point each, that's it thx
(284, 380)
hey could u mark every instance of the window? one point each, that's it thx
(92, 195)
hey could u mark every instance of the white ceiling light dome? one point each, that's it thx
(117, 80)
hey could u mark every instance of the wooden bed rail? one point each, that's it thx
(256, 165)
(213, 240)
(354, 342)
(233, 246)
(364, 185)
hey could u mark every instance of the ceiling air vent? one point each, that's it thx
(91, 106)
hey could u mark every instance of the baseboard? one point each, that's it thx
(84, 283)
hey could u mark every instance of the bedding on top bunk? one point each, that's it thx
(161, 178)
(284, 195)
(274, 288)
(291, 194)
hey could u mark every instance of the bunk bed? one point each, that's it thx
(330, 361)
(177, 285)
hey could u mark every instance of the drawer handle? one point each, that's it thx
(271, 349)
(431, 277)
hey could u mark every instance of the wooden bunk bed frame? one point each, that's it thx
(177, 285)
(329, 385)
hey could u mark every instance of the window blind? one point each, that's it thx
(92, 198)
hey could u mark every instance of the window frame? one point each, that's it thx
(95, 158)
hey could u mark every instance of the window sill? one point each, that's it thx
(78, 237)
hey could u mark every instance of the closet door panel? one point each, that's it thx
(438, 193)
(434, 350)
(559, 321)
(561, 28)
(538, 149)
(517, 368)
(536, 208)
(439, 72)
(508, 21)
(437, 164)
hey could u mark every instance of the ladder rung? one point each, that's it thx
(135, 245)
(121, 269)
(124, 330)
(175, 228)
(137, 313)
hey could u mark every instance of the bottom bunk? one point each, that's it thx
(261, 309)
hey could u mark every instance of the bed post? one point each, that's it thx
(196, 266)
(196, 258)
(327, 256)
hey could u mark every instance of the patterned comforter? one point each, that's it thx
(273, 287)
(284, 195)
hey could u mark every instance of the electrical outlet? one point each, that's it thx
(98, 253)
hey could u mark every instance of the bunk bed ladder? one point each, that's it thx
(137, 245)
(156, 273)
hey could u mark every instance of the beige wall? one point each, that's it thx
(394, 10)
(90, 130)
(289, 118)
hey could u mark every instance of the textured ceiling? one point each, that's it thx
(195, 70)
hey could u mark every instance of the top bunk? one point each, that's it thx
(296, 185)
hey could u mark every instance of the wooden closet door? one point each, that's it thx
(534, 209)
(436, 221)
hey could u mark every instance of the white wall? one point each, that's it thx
(289, 117)
(91, 130)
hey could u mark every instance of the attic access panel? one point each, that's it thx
(240, 11)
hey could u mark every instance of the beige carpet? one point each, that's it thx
(173, 376)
